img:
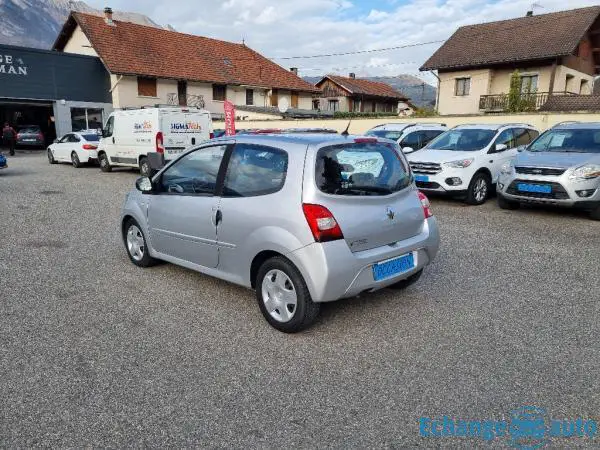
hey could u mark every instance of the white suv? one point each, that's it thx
(410, 136)
(466, 160)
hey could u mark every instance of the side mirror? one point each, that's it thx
(521, 148)
(501, 147)
(407, 149)
(144, 185)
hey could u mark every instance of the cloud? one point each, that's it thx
(282, 28)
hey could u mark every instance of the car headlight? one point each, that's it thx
(460, 164)
(587, 172)
(507, 168)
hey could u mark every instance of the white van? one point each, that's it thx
(130, 134)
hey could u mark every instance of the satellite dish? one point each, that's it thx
(283, 105)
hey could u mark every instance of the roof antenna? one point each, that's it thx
(345, 132)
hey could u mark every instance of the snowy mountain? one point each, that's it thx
(36, 23)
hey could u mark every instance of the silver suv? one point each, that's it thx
(561, 167)
(302, 219)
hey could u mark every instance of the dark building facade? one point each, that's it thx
(57, 91)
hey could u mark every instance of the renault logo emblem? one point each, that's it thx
(390, 213)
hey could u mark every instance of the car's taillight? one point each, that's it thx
(323, 225)
(89, 147)
(160, 146)
(365, 140)
(211, 135)
(426, 205)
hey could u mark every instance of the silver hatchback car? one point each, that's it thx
(302, 219)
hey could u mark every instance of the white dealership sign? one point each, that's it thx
(11, 66)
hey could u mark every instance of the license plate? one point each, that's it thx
(30, 140)
(423, 178)
(393, 267)
(537, 188)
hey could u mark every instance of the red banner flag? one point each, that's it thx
(229, 118)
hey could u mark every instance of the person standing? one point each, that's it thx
(9, 135)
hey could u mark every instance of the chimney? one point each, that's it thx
(108, 15)
(294, 70)
(529, 13)
(352, 75)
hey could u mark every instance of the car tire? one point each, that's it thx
(403, 284)
(283, 297)
(135, 245)
(504, 203)
(479, 189)
(595, 213)
(51, 159)
(144, 167)
(75, 160)
(104, 162)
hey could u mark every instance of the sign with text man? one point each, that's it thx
(229, 118)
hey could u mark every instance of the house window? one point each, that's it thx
(146, 87)
(315, 105)
(86, 119)
(250, 97)
(462, 87)
(356, 105)
(529, 83)
(334, 105)
(219, 92)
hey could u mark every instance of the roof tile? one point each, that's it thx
(132, 49)
(522, 39)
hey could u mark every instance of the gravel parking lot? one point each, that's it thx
(96, 352)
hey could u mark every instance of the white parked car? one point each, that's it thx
(76, 148)
(130, 134)
(466, 160)
(409, 136)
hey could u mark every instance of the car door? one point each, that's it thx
(108, 140)
(61, 148)
(412, 140)
(499, 157)
(74, 144)
(182, 216)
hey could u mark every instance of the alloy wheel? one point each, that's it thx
(480, 190)
(279, 295)
(135, 243)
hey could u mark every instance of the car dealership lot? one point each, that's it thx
(94, 351)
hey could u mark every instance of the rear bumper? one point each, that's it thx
(332, 271)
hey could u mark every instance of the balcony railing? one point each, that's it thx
(526, 102)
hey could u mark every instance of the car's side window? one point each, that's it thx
(110, 126)
(255, 170)
(73, 138)
(412, 140)
(506, 138)
(430, 135)
(533, 135)
(522, 136)
(64, 139)
(195, 173)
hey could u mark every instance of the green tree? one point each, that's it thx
(514, 94)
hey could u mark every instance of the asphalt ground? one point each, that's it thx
(97, 352)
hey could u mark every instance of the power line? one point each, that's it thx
(418, 44)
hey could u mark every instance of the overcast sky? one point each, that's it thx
(283, 28)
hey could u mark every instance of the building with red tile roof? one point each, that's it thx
(150, 65)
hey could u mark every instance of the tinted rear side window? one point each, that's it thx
(255, 170)
(91, 137)
(361, 169)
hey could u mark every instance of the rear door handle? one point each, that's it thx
(217, 216)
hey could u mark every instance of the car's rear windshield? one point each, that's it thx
(568, 141)
(91, 137)
(361, 169)
(466, 140)
(29, 130)
(386, 134)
